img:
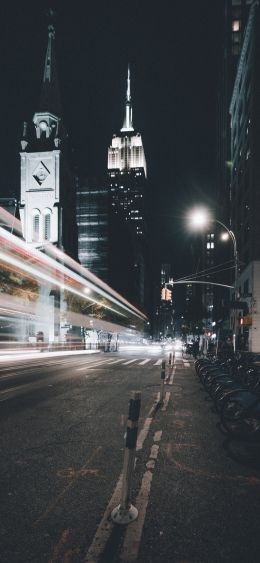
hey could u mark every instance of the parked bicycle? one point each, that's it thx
(234, 387)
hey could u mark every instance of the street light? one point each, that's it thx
(200, 218)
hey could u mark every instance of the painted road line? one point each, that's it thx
(172, 377)
(93, 365)
(154, 408)
(143, 433)
(144, 362)
(112, 361)
(106, 525)
(129, 362)
(133, 536)
(158, 363)
(117, 361)
(166, 400)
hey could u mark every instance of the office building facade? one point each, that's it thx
(93, 227)
(245, 180)
(235, 16)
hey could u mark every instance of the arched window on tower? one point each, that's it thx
(47, 224)
(35, 225)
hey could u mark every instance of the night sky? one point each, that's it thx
(174, 52)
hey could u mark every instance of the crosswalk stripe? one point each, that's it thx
(144, 362)
(117, 361)
(158, 363)
(93, 365)
(129, 362)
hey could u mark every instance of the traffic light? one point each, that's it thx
(163, 293)
(166, 294)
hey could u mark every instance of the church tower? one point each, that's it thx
(47, 202)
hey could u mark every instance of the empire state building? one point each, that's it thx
(127, 178)
(127, 170)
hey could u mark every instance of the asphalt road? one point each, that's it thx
(63, 421)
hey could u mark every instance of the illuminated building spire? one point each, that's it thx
(128, 123)
(50, 95)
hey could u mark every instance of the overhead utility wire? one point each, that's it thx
(205, 271)
(211, 273)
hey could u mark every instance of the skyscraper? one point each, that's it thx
(93, 227)
(245, 178)
(234, 18)
(127, 171)
(235, 14)
(127, 179)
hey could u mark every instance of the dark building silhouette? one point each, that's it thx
(235, 16)
(165, 311)
(245, 179)
(93, 227)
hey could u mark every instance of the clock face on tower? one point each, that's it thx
(41, 172)
(43, 125)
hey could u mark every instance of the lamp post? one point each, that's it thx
(199, 219)
(235, 253)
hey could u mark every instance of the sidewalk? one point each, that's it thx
(198, 492)
(204, 504)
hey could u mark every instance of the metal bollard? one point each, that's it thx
(170, 359)
(162, 382)
(125, 512)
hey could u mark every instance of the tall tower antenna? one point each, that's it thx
(128, 121)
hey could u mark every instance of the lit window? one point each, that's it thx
(212, 245)
(47, 227)
(208, 244)
(36, 227)
(236, 25)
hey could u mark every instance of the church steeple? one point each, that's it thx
(46, 119)
(50, 95)
(128, 122)
(47, 190)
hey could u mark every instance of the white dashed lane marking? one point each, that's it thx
(116, 361)
(129, 362)
(93, 365)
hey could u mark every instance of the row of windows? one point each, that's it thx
(46, 227)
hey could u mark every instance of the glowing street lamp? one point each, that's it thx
(199, 218)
